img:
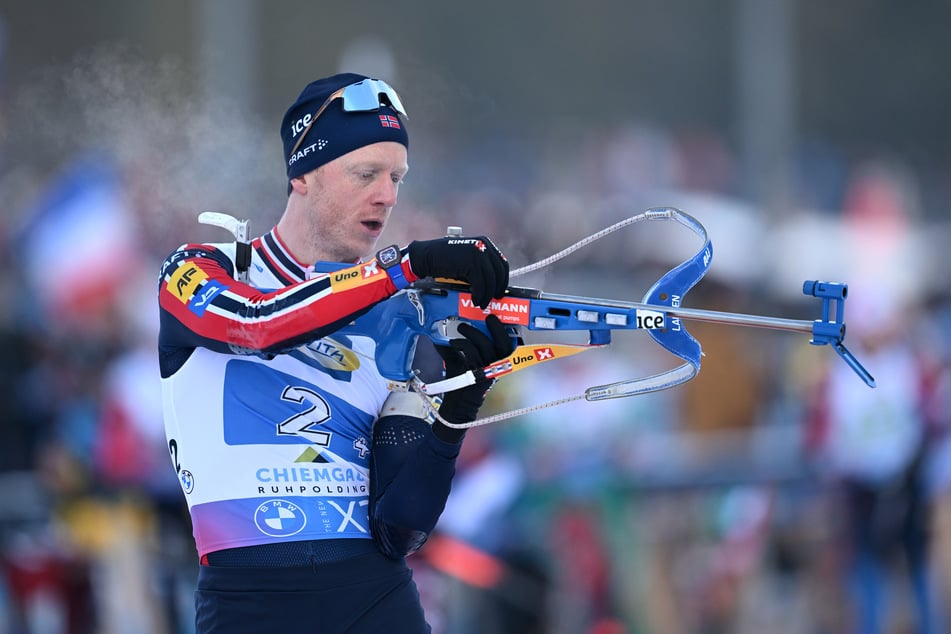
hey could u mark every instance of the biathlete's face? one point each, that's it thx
(350, 199)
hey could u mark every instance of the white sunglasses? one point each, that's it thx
(364, 96)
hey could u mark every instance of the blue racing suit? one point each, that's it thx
(294, 483)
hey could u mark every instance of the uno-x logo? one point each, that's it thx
(543, 353)
(354, 276)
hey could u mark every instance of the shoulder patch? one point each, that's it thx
(185, 281)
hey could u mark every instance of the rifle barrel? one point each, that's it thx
(693, 314)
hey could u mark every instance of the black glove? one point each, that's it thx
(473, 260)
(473, 352)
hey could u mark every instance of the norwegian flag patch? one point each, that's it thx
(389, 121)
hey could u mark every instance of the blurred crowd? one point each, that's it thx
(775, 492)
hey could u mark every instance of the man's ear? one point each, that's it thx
(299, 185)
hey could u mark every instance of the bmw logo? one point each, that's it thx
(279, 518)
(188, 480)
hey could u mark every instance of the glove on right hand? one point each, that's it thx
(473, 260)
(473, 351)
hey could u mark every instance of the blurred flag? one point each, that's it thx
(79, 243)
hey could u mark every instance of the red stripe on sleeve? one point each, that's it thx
(209, 303)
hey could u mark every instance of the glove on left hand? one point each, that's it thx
(476, 261)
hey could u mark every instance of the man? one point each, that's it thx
(307, 481)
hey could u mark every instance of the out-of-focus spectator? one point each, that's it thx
(870, 444)
(131, 457)
(935, 343)
(102, 555)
